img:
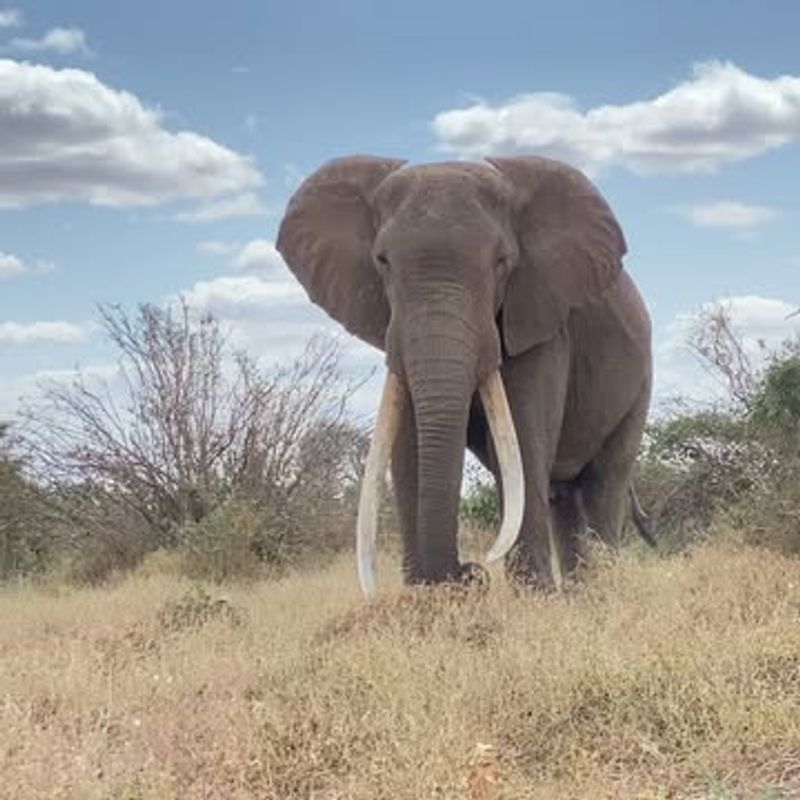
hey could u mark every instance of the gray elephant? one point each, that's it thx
(510, 327)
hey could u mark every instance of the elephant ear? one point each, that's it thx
(571, 248)
(326, 239)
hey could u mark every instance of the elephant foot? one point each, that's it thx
(467, 576)
(533, 583)
(474, 575)
(472, 579)
(524, 574)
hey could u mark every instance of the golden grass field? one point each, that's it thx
(655, 678)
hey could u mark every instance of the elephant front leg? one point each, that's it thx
(537, 557)
(536, 384)
(404, 481)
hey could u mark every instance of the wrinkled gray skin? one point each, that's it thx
(455, 269)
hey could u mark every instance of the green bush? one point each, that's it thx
(236, 541)
(739, 461)
(481, 506)
(24, 541)
(775, 406)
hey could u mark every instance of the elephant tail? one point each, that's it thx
(640, 519)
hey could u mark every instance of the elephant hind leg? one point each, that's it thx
(605, 481)
(569, 524)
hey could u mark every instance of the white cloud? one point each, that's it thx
(761, 324)
(240, 295)
(42, 332)
(64, 135)
(728, 214)
(247, 204)
(273, 321)
(260, 255)
(10, 18)
(270, 319)
(721, 114)
(14, 390)
(248, 303)
(63, 41)
(11, 266)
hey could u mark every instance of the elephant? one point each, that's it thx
(510, 328)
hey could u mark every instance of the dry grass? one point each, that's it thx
(655, 679)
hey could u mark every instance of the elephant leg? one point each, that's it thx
(605, 481)
(404, 480)
(536, 385)
(569, 524)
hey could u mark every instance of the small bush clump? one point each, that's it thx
(195, 609)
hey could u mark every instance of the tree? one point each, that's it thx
(187, 425)
(721, 352)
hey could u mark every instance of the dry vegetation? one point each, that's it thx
(656, 678)
(175, 621)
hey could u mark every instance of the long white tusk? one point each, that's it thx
(495, 403)
(380, 451)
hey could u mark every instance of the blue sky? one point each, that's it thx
(148, 149)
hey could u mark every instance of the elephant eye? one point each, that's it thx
(382, 259)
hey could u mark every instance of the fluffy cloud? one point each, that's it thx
(63, 41)
(238, 296)
(721, 114)
(42, 332)
(64, 135)
(14, 390)
(728, 214)
(11, 266)
(10, 18)
(762, 324)
(260, 255)
(270, 319)
(265, 310)
(257, 255)
(273, 320)
(247, 204)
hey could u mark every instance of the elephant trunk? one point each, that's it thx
(442, 369)
(441, 384)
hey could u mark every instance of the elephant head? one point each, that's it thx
(450, 268)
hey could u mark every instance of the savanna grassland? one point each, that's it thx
(656, 677)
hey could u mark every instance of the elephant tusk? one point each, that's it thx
(380, 451)
(495, 403)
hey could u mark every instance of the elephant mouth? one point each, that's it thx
(501, 425)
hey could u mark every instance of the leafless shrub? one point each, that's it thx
(720, 350)
(186, 426)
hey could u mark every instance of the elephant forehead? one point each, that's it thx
(443, 187)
